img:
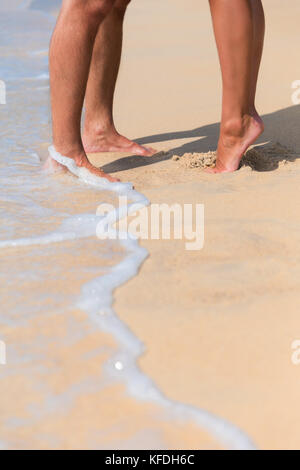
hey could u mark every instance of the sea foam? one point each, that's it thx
(97, 296)
(30, 43)
(96, 299)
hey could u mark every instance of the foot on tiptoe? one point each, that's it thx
(236, 136)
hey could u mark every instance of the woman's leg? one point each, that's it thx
(259, 36)
(235, 32)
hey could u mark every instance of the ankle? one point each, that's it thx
(98, 127)
(253, 111)
(70, 150)
(236, 127)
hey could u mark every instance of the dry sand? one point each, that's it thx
(217, 324)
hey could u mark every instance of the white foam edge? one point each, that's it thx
(96, 299)
(85, 175)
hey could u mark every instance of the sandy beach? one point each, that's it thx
(217, 324)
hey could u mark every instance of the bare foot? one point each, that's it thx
(81, 160)
(112, 141)
(52, 166)
(235, 138)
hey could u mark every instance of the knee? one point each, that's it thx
(90, 10)
(101, 8)
(120, 6)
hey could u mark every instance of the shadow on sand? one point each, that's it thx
(281, 127)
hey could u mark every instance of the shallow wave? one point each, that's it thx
(38, 210)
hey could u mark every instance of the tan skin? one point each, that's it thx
(239, 31)
(100, 134)
(85, 56)
(81, 47)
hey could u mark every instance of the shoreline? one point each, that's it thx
(96, 300)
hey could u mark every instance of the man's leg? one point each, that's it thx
(70, 57)
(100, 134)
(234, 26)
